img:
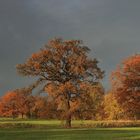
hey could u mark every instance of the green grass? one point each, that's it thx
(71, 134)
(53, 130)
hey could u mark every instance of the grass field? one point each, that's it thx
(53, 130)
(71, 134)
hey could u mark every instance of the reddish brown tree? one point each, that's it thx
(126, 85)
(66, 71)
(46, 108)
(25, 102)
(18, 102)
(8, 104)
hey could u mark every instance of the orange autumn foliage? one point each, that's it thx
(126, 85)
(8, 104)
(20, 103)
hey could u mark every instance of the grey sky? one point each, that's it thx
(111, 28)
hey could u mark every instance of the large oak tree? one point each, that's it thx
(66, 71)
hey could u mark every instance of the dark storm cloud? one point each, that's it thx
(111, 28)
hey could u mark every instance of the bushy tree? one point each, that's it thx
(126, 85)
(113, 110)
(16, 102)
(8, 104)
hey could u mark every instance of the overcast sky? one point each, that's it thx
(110, 28)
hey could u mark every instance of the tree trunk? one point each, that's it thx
(22, 115)
(68, 116)
(68, 121)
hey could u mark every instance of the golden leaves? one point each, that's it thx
(112, 109)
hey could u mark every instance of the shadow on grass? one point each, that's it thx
(70, 134)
